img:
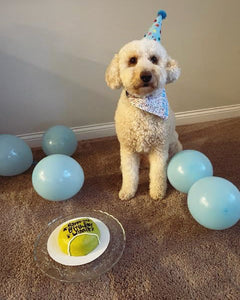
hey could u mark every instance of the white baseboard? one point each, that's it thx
(82, 133)
(108, 129)
(208, 114)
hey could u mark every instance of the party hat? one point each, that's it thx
(154, 32)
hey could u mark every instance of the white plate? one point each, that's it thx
(56, 253)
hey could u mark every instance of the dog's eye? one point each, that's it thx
(132, 61)
(154, 59)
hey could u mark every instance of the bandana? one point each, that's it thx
(156, 104)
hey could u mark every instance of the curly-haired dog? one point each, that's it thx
(142, 68)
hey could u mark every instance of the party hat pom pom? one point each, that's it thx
(162, 13)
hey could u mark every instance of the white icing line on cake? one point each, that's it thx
(88, 233)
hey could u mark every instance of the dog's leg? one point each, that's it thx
(175, 145)
(158, 173)
(130, 174)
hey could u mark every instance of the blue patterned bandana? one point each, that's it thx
(156, 104)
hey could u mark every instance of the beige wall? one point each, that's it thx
(53, 55)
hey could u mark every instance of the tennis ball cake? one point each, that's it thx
(79, 237)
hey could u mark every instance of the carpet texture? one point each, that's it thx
(167, 255)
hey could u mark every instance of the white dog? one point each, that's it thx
(142, 68)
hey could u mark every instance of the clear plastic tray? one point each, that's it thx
(87, 271)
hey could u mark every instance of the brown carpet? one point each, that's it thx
(167, 255)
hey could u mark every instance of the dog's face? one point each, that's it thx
(141, 67)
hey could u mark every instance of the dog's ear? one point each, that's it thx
(173, 71)
(112, 75)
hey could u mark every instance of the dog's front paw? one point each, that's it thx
(158, 188)
(126, 195)
(157, 193)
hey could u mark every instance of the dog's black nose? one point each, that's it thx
(146, 76)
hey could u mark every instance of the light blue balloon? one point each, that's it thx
(214, 202)
(59, 140)
(57, 177)
(186, 167)
(15, 155)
